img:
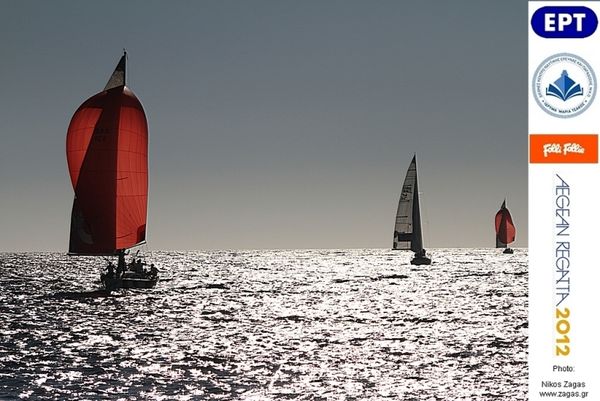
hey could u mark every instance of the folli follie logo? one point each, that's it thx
(563, 148)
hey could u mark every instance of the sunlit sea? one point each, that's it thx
(268, 325)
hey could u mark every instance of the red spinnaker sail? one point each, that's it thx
(107, 154)
(505, 229)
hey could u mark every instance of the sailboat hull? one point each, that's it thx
(128, 282)
(508, 250)
(420, 260)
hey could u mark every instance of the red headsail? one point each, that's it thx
(107, 154)
(505, 229)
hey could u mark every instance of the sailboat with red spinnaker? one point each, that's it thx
(107, 156)
(505, 229)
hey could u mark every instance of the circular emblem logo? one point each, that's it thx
(564, 85)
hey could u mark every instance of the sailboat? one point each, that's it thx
(107, 157)
(408, 233)
(505, 229)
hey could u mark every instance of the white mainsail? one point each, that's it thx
(407, 231)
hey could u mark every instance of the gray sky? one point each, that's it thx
(275, 124)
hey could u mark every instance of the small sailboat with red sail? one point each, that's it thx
(107, 156)
(505, 229)
(408, 234)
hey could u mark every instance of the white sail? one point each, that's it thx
(118, 76)
(407, 231)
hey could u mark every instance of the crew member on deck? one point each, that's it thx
(153, 270)
(111, 270)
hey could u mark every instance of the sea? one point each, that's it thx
(360, 324)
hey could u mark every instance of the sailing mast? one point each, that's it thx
(416, 244)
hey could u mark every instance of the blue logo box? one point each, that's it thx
(564, 22)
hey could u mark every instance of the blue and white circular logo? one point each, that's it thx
(564, 85)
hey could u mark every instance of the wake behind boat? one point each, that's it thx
(107, 155)
(408, 234)
(505, 229)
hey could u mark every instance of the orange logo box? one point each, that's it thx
(567, 148)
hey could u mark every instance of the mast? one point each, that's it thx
(416, 244)
(502, 227)
(124, 67)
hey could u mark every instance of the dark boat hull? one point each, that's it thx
(128, 282)
(420, 260)
(508, 250)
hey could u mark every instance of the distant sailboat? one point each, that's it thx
(107, 155)
(505, 229)
(407, 231)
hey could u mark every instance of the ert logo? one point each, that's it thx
(564, 22)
